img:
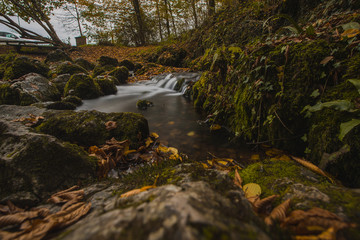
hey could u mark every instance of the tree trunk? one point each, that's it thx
(141, 28)
(159, 19)
(211, 7)
(193, 6)
(172, 19)
(78, 19)
(167, 18)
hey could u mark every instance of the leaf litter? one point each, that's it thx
(37, 223)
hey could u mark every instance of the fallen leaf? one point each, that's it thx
(350, 33)
(237, 179)
(154, 135)
(136, 191)
(326, 60)
(148, 142)
(259, 205)
(215, 127)
(252, 190)
(191, 134)
(278, 213)
(110, 125)
(313, 168)
(255, 157)
(329, 234)
(274, 152)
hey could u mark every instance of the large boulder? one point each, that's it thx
(121, 74)
(28, 89)
(57, 56)
(183, 209)
(69, 68)
(105, 60)
(128, 64)
(88, 128)
(85, 64)
(82, 86)
(33, 164)
(107, 85)
(60, 81)
(22, 66)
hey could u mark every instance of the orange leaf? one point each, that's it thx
(326, 60)
(278, 213)
(260, 204)
(136, 191)
(312, 167)
(237, 179)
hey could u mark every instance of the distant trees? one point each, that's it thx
(31, 11)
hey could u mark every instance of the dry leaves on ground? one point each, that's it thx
(30, 121)
(36, 223)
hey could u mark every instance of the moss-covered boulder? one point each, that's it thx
(60, 81)
(137, 66)
(73, 99)
(85, 64)
(57, 56)
(128, 64)
(69, 68)
(107, 85)
(99, 70)
(33, 165)
(82, 86)
(121, 74)
(169, 56)
(88, 128)
(144, 104)
(22, 66)
(61, 105)
(28, 89)
(105, 60)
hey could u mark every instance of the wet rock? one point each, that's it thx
(28, 89)
(105, 60)
(33, 164)
(144, 104)
(69, 68)
(73, 99)
(88, 128)
(85, 64)
(60, 81)
(190, 210)
(98, 70)
(107, 85)
(57, 56)
(82, 86)
(121, 74)
(128, 64)
(61, 105)
(109, 78)
(137, 66)
(22, 66)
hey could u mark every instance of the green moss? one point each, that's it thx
(82, 86)
(128, 64)
(57, 56)
(85, 64)
(99, 70)
(107, 86)
(353, 66)
(12, 96)
(105, 60)
(276, 177)
(22, 66)
(88, 128)
(144, 104)
(69, 68)
(61, 105)
(73, 99)
(121, 74)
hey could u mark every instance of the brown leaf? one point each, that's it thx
(326, 60)
(313, 168)
(17, 218)
(136, 191)
(110, 125)
(259, 205)
(237, 179)
(313, 221)
(278, 213)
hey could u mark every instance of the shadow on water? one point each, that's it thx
(173, 116)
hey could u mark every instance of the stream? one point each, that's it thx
(172, 116)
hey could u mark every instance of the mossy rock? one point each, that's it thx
(69, 68)
(61, 105)
(107, 85)
(88, 128)
(85, 64)
(144, 104)
(57, 56)
(171, 56)
(128, 64)
(307, 189)
(22, 66)
(99, 70)
(137, 66)
(73, 99)
(121, 74)
(82, 86)
(60, 81)
(105, 60)
(9, 95)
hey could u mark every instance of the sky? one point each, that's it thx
(59, 28)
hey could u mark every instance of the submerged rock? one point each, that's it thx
(107, 85)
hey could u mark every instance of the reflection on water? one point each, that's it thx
(173, 117)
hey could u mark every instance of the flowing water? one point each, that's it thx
(172, 116)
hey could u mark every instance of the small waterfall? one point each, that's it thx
(175, 81)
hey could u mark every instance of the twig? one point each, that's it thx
(278, 139)
(283, 123)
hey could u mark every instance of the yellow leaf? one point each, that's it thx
(255, 157)
(162, 148)
(285, 158)
(329, 234)
(171, 123)
(210, 162)
(128, 152)
(215, 127)
(205, 165)
(237, 179)
(350, 33)
(154, 135)
(191, 134)
(222, 162)
(136, 191)
(148, 142)
(252, 190)
(273, 152)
